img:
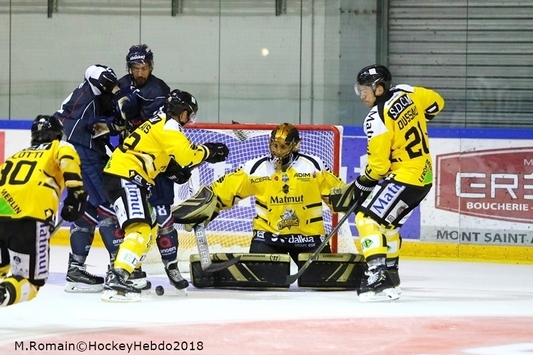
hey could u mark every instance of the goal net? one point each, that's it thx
(231, 231)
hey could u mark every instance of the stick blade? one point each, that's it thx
(291, 278)
(214, 267)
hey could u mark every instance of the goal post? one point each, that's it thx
(231, 231)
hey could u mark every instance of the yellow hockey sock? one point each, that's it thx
(137, 239)
(372, 241)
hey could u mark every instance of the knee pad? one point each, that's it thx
(112, 235)
(18, 289)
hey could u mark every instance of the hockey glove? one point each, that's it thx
(217, 152)
(74, 204)
(101, 125)
(363, 186)
(179, 175)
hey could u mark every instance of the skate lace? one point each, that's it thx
(83, 270)
(373, 276)
(173, 271)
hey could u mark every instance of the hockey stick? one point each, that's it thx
(203, 251)
(291, 278)
(57, 227)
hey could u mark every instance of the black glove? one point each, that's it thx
(217, 152)
(363, 186)
(74, 204)
(177, 173)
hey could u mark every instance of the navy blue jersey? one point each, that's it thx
(80, 107)
(149, 99)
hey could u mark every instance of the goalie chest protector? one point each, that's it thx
(253, 271)
(332, 272)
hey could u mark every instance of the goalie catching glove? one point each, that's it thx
(341, 198)
(216, 152)
(74, 204)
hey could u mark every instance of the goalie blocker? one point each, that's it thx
(329, 272)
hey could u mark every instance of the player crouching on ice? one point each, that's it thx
(148, 151)
(45, 169)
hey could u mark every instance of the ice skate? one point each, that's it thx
(379, 287)
(117, 289)
(174, 276)
(81, 281)
(138, 279)
(394, 277)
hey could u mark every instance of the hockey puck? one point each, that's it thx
(159, 290)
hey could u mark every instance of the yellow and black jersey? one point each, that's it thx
(147, 151)
(396, 129)
(287, 202)
(32, 180)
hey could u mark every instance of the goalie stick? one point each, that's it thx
(203, 251)
(291, 278)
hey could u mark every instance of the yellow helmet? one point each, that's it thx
(284, 142)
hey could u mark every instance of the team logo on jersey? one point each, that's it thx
(288, 219)
(285, 189)
(399, 106)
(284, 178)
(8, 206)
(284, 200)
(259, 179)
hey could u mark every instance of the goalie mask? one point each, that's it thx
(45, 129)
(284, 143)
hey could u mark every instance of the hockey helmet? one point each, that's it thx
(284, 143)
(179, 101)
(372, 76)
(139, 53)
(46, 129)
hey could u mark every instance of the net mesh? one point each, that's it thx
(231, 231)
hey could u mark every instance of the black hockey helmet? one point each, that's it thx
(179, 101)
(139, 53)
(372, 76)
(284, 142)
(102, 77)
(46, 129)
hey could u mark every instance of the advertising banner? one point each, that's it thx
(483, 192)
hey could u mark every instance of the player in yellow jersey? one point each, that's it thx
(156, 145)
(31, 184)
(289, 187)
(398, 175)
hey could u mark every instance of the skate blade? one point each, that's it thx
(114, 296)
(386, 295)
(74, 287)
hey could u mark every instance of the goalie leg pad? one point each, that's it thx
(253, 271)
(196, 209)
(332, 272)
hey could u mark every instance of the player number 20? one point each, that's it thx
(417, 144)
